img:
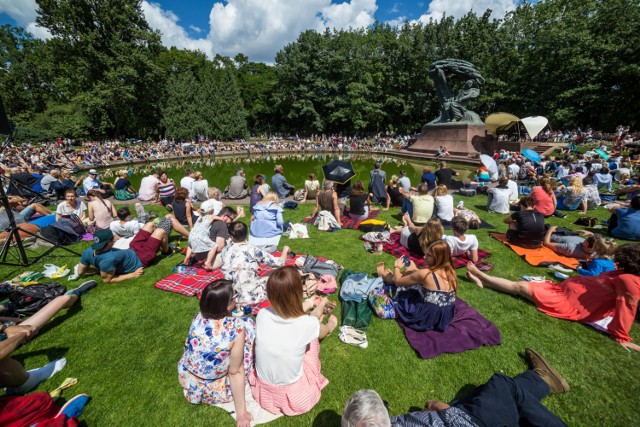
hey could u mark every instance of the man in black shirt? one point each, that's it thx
(444, 174)
(526, 227)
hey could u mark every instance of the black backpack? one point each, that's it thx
(27, 300)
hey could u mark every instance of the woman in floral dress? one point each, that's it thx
(218, 353)
(240, 263)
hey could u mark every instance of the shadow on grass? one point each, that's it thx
(71, 311)
(52, 354)
(328, 417)
(465, 391)
(481, 208)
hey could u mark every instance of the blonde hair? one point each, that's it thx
(604, 247)
(270, 197)
(394, 179)
(575, 183)
(197, 175)
(441, 190)
(213, 193)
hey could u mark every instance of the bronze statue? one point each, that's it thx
(453, 109)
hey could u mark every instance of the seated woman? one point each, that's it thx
(428, 302)
(444, 204)
(218, 352)
(257, 191)
(182, 208)
(123, 188)
(544, 199)
(287, 379)
(71, 205)
(240, 263)
(421, 206)
(415, 238)
(311, 187)
(526, 226)
(359, 202)
(498, 200)
(583, 298)
(624, 223)
(101, 212)
(394, 197)
(200, 187)
(166, 189)
(327, 200)
(267, 224)
(571, 197)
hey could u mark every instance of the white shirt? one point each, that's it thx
(444, 207)
(513, 190)
(187, 182)
(64, 209)
(201, 189)
(127, 229)
(148, 188)
(499, 200)
(90, 184)
(281, 345)
(459, 247)
(513, 170)
(405, 184)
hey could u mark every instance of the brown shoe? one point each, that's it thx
(540, 366)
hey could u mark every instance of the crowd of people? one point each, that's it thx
(276, 352)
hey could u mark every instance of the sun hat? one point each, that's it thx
(93, 172)
(101, 238)
(208, 206)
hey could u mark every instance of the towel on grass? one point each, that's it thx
(193, 284)
(260, 416)
(467, 331)
(393, 247)
(539, 256)
(346, 221)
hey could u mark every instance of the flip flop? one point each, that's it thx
(69, 382)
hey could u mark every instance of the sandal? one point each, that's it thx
(328, 309)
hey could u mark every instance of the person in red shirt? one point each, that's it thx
(543, 197)
(613, 294)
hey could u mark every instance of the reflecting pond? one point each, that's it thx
(217, 170)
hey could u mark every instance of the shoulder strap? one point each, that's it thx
(435, 279)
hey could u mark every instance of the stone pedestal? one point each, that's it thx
(458, 138)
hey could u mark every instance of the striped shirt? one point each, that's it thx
(167, 189)
(451, 416)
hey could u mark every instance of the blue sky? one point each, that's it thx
(260, 28)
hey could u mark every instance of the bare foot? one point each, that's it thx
(471, 268)
(207, 266)
(332, 323)
(475, 280)
(381, 270)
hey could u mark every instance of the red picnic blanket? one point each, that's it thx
(397, 250)
(347, 222)
(193, 284)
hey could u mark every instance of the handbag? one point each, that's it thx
(318, 268)
(381, 302)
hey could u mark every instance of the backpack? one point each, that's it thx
(298, 196)
(370, 225)
(27, 300)
(586, 221)
(290, 204)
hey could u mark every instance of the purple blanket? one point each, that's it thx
(467, 331)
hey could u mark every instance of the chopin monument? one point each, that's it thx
(457, 126)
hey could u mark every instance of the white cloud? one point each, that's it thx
(195, 28)
(397, 22)
(24, 12)
(172, 33)
(459, 8)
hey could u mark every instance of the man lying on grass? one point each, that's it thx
(115, 265)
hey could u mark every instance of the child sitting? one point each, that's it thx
(461, 243)
(601, 259)
(240, 263)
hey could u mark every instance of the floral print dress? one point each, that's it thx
(240, 263)
(204, 366)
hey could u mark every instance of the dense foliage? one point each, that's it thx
(104, 72)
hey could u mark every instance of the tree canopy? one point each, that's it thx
(104, 73)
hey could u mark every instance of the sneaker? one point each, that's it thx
(460, 204)
(540, 366)
(558, 267)
(84, 288)
(75, 406)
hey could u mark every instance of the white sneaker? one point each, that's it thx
(558, 267)
(460, 204)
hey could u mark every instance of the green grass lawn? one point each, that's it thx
(124, 341)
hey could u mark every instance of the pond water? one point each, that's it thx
(297, 167)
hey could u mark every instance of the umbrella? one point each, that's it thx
(601, 153)
(531, 155)
(490, 164)
(338, 171)
(534, 125)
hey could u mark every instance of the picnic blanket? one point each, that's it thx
(193, 284)
(540, 256)
(394, 248)
(483, 224)
(346, 221)
(467, 331)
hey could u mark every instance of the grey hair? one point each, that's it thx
(365, 408)
(327, 184)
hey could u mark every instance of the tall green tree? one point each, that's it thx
(180, 112)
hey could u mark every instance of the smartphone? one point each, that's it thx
(406, 261)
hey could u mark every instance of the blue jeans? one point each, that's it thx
(27, 213)
(407, 207)
(506, 401)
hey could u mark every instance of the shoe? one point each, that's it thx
(75, 406)
(356, 337)
(171, 250)
(560, 215)
(558, 267)
(84, 288)
(540, 366)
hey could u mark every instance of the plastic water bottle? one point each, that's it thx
(184, 269)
